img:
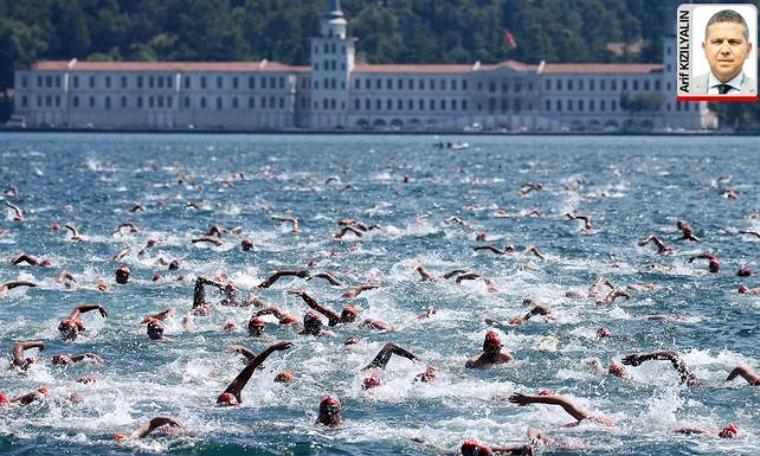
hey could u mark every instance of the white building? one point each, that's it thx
(336, 92)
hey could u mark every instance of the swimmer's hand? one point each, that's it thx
(520, 399)
(103, 311)
(280, 346)
(632, 360)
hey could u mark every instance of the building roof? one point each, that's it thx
(440, 69)
(74, 65)
(601, 68)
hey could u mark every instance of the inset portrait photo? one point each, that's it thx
(717, 55)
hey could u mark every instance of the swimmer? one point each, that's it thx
(381, 361)
(730, 193)
(525, 189)
(302, 273)
(30, 260)
(24, 399)
(491, 355)
(745, 372)
(327, 276)
(247, 353)
(282, 317)
(312, 326)
(292, 220)
(144, 250)
(713, 261)
(357, 224)
(19, 349)
(476, 275)
(121, 255)
(330, 411)
(155, 329)
(18, 214)
(662, 249)
(729, 432)
(474, 448)
(347, 315)
(137, 208)
(210, 240)
(75, 236)
(5, 287)
(566, 404)
(71, 326)
(122, 274)
(675, 359)
(458, 221)
(233, 394)
(424, 275)
(613, 295)
(199, 292)
(751, 233)
(519, 321)
(512, 249)
(147, 428)
(132, 228)
(743, 289)
(256, 326)
(618, 371)
(346, 230)
(585, 218)
(246, 244)
(60, 359)
(357, 290)
(687, 230)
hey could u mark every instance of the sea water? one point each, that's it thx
(631, 187)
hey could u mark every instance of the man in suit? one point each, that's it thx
(726, 47)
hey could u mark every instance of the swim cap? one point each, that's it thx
(288, 320)
(744, 271)
(246, 244)
(372, 381)
(256, 321)
(155, 329)
(229, 326)
(157, 277)
(329, 405)
(729, 432)
(351, 309)
(714, 265)
(227, 398)
(351, 341)
(492, 340)
(42, 390)
(174, 265)
(545, 392)
(603, 332)
(311, 318)
(473, 448)
(743, 289)
(284, 377)
(4, 400)
(120, 437)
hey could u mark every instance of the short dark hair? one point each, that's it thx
(728, 15)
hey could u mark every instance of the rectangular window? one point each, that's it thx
(160, 82)
(203, 82)
(432, 105)
(559, 105)
(139, 102)
(24, 101)
(151, 102)
(411, 84)
(646, 85)
(504, 87)
(108, 102)
(169, 102)
(367, 84)
(518, 88)
(272, 82)
(24, 80)
(151, 82)
(657, 85)
(399, 104)
(443, 105)
(357, 104)
(169, 82)
(48, 81)
(282, 82)
(453, 84)
(613, 105)
(580, 84)
(603, 84)
(92, 82)
(282, 103)
(139, 82)
(92, 102)
(367, 104)
(357, 84)
(453, 105)
(421, 105)
(57, 101)
(548, 84)
(559, 84)
(592, 84)
(123, 102)
(123, 82)
(264, 83)
(251, 82)
(251, 102)
(234, 102)
(635, 84)
(389, 105)
(518, 105)
(569, 105)
(591, 105)
(186, 102)
(464, 105)
(378, 105)
(602, 105)
(580, 105)
(203, 102)
(235, 82)
(219, 82)
(570, 85)
(548, 105)
(400, 84)
(76, 82)
(219, 104)
(75, 102)
(160, 101)
(39, 81)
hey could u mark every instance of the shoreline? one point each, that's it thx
(371, 133)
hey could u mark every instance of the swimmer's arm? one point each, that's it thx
(751, 233)
(384, 355)
(703, 256)
(302, 273)
(488, 248)
(25, 399)
(18, 283)
(237, 385)
(469, 276)
(311, 302)
(329, 277)
(87, 308)
(154, 424)
(534, 250)
(206, 281)
(537, 437)
(161, 315)
(566, 404)
(356, 291)
(247, 353)
(474, 362)
(537, 310)
(426, 276)
(20, 347)
(92, 356)
(454, 272)
(517, 450)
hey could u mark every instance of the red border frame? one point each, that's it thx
(720, 98)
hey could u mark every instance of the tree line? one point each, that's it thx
(401, 31)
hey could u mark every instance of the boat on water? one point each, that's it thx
(451, 145)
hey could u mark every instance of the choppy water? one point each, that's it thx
(649, 183)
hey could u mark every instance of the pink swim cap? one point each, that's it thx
(492, 340)
(729, 432)
(4, 399)
(743, 289)
(473, 448)
(372, 381)
(227, 399)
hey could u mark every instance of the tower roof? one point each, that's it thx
(332, 10)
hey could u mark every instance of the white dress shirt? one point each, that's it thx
(735, 83)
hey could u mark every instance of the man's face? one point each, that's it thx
(726, 49)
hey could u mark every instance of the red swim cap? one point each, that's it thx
(729, 432)
(351, 309)
(603, 332)
(744, 271)
(372, 381)
(492, 340)
(310, 317)
(329, 405)
(229, 326)
(227, 399)
(545, 392)
(743, 289)
(256, 322)
(4, 400)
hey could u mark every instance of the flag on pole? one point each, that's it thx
(509, 39)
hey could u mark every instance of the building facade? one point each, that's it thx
(337, 92)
